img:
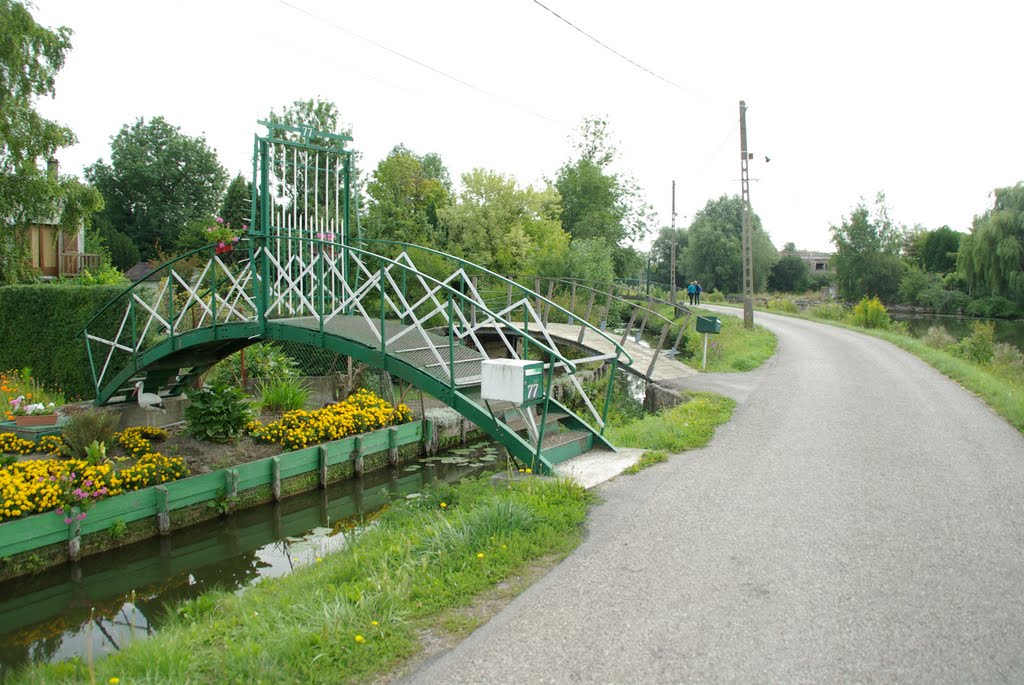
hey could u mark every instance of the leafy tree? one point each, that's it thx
(940, 250)
(790, 274)
(589, 259)
(319, 115)
(597, 203)
(30, 57)
(867, 262)
(123, 252)
(661, 256)
(236, 208)
(157, 181)
(405, 199)
(714, 251)
(991, 257)
(496, 224)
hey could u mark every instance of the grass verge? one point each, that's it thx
(683, 427)
(356, 613)
(649, 458)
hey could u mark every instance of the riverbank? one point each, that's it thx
(426, 572)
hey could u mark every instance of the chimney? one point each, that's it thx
(52, 168)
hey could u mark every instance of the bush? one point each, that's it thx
(870, 314)
(217, 414)
(783, 305)
(991, 307)
(831, 311)
(939, 338)
(87, 427)
(263, 361)
(283, 394)
(979, 346)
(52, 345)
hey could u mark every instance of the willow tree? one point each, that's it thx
(991, 258)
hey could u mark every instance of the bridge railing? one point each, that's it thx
(397, 301)
(617, 307)
(199, 289)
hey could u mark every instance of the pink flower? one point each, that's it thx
(68, 521)
(59, 510)
(219, 220)
(81, 516)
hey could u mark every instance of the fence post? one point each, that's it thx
(275, 474)
(657, 350)
(393, 446)
(357, 455)
(322, 453)
(74, 535)
(163, 515)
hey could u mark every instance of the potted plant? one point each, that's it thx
(36, 414)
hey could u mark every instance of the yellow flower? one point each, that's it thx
(360, 639)
(375, 623)
(479, 555)
(444, 505)
(529, 470)
(114, 681)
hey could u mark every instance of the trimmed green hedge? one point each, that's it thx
(40, 327)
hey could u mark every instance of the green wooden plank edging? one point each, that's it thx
(47, 528)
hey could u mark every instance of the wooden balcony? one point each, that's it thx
(72, 263)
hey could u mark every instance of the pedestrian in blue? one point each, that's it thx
(697, 291)
(691, 291)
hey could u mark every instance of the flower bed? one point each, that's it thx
(35, 486)
(360, 412)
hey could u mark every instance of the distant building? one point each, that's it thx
(55, 253)
(818, 262)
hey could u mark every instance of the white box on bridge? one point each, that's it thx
(512, 380)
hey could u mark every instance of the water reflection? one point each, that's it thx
(115, 597)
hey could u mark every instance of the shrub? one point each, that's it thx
(217, 414)
(263, 361)
(783, 305)
(87, 427)
(283, 394)
(830, 311)
(53, 345)
(979, 346)
(991, 307)
(939, 338)
(869, 314)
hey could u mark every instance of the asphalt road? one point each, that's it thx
(860, 519)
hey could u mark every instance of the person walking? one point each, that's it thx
(697, 291)
(691, 292)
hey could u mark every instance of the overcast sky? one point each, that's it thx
(919, 100)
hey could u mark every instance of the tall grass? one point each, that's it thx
(354, 614)
(686, 426)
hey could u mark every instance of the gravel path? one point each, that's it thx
(861, 518)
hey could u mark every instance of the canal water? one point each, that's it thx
(1007, 331)
(107, 600)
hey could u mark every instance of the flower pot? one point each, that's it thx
(36, 420)
(222, 248)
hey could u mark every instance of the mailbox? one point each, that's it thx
(512, 380)
(709, 324)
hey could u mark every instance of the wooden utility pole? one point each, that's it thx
(673, 260)
(748, 256)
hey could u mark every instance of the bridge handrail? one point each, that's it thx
(626, 283)
(554, 354)
(450, 290)
(582, 283)
(620, 351)
(211, 247)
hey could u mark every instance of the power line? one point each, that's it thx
(418, 63)
(607, 47)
